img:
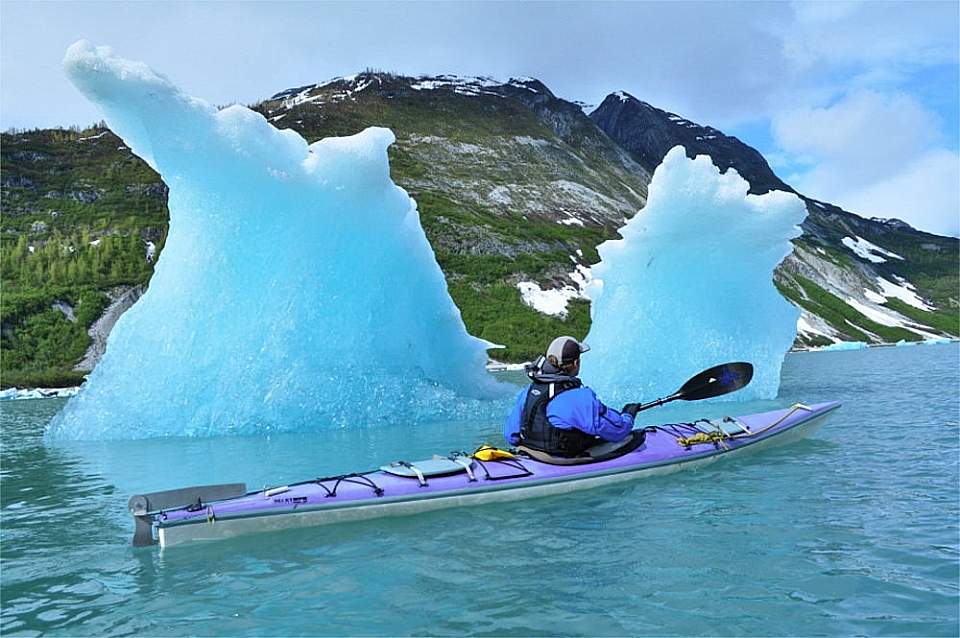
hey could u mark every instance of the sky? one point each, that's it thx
(853, 103)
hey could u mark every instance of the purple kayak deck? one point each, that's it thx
(659, 449)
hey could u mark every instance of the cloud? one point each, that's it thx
(905, 123)
(875, 154)
(851, 88)
(924, 193)
(872, 33)
(866, 134)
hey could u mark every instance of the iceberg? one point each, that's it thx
(11, 394)
(690, 285)
(842, 346)
(296, 290)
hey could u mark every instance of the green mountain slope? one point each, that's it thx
(79, 215)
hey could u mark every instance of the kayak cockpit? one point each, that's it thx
(596, 454)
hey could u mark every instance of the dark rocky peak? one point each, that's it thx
(647, 133)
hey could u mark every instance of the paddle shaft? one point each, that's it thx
(658, 402)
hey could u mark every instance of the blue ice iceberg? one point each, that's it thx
(843, 346)
(690, 285)
(296, 290)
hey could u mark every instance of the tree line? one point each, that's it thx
(74, 259)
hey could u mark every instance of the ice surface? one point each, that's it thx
(36, 393)
(296, 290)
(843, 345)
(690, 285)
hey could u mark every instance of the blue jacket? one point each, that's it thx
(578, 408)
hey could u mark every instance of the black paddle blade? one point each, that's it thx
(716, 381)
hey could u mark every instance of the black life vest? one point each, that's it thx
(538, 433)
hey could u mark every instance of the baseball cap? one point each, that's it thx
(566, 349)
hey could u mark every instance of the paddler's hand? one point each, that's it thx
(631, 409)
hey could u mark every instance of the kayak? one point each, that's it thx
(214, 512)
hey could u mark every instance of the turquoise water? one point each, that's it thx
(854, 531)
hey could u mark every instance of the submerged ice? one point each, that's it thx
(296, 288)
(690, 285)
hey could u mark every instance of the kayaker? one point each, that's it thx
(559, 415)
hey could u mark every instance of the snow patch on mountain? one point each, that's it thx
(905, 292)
(471, 86)
(303, 97)
(887, 318)
(92, 137)
(307, 95)
(554, 301)
(811, 325)
(869, 251)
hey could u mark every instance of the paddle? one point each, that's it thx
(715, 382)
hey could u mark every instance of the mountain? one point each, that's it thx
(80, 217)
(647, 133)
(871, 280)
(516, 187)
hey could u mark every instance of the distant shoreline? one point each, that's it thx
(10, 394)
